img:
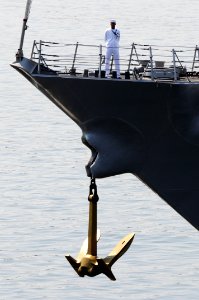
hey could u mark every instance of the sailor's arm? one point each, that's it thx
(118, 34)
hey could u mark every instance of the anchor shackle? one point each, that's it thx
(93, 196)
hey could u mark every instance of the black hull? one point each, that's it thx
(142, 127)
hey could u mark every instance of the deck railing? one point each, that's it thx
(136, 59)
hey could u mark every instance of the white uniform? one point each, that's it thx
(112, 38)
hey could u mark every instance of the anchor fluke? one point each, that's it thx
(73, 263)
(105, 269)
(87, 261)
(119, 249)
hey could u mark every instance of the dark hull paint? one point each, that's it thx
(146, 128)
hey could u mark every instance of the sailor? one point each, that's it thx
(112, 38)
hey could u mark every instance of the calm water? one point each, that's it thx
(43, 184)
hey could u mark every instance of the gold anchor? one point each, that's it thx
(87, 261)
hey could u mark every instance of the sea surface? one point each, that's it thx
(43, 183)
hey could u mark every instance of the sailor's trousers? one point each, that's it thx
(115, 52)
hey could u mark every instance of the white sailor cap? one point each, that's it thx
(113, 21)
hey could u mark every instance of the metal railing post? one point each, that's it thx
(174, 65)
(151, 60)
(130, 58)
(197, 50)
(131, 55)
(33, 48)
(39, 61)
(100, 61)
(194, 57)
(74, 58)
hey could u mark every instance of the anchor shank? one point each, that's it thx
(92, 229)
(92, 225)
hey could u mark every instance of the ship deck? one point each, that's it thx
(188, 79)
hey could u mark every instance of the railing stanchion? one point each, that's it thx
(39, 61)
(74, 58)
(151, 61)
(197, 49)
(100, 61)
(194, 58)
(174, 65)
(33, 48)
(131, 55)
(130, 58)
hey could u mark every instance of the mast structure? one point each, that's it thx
(19, 54)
